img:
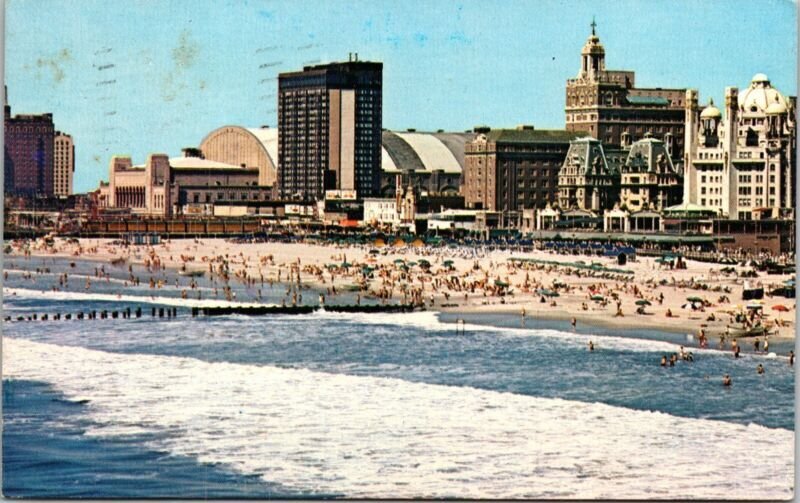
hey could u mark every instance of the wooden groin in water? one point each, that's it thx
(265, 310)
(172, 312)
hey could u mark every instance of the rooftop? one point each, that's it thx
(647, 100)
(532, 135)
(204, 164)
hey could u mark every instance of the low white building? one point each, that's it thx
(381, 211)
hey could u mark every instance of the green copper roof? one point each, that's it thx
(647, 100)
(532, 135)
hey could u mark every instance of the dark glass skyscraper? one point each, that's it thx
(329, 130)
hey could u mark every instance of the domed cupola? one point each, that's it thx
(759, 95)
(593, 54)
(776, 111)
(709, 124)
(776, 108)
(710, 112)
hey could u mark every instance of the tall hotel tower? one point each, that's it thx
(329, 130)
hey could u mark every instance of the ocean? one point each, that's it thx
(366, 406)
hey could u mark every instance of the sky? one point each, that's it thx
(141, 76)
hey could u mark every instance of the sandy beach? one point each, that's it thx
(473, 280)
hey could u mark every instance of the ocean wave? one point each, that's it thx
(369, 437)
(25, 293)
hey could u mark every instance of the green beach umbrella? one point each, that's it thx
(694, 299)
(501, 284)
(598, 298)
(642, 302)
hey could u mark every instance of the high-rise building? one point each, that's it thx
(329, 123)
(514, 169)
(64, 164)
(28, 168)
(742, 164)
(607, 105)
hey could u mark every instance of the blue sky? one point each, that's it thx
(141, 76)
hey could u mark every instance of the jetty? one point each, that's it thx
(249, 310)
(266, 310)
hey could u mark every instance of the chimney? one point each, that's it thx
(192, 152)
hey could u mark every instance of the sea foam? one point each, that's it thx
(368, 437)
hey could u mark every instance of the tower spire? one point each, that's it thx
(593, 25)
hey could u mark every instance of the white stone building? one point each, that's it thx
(741, 163)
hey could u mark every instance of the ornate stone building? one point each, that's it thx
(587, 181)
(607, 105)
(597, 178)
(741, 164)
(648, 179)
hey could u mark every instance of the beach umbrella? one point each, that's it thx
(399, 261)
(754, 307)
(346, 264)
(598, 298)
(501, 284)
(547, 293)
(418, 243)
(411, 264)
(374, 251)
(642, 302)
(781, 308)
(447, 263)
(424, 262)
(694, 299)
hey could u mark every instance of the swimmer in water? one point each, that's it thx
(664, 360)
(726, 380)
(574, 322)
(591, 346)
(760, 369)
(791, 358)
